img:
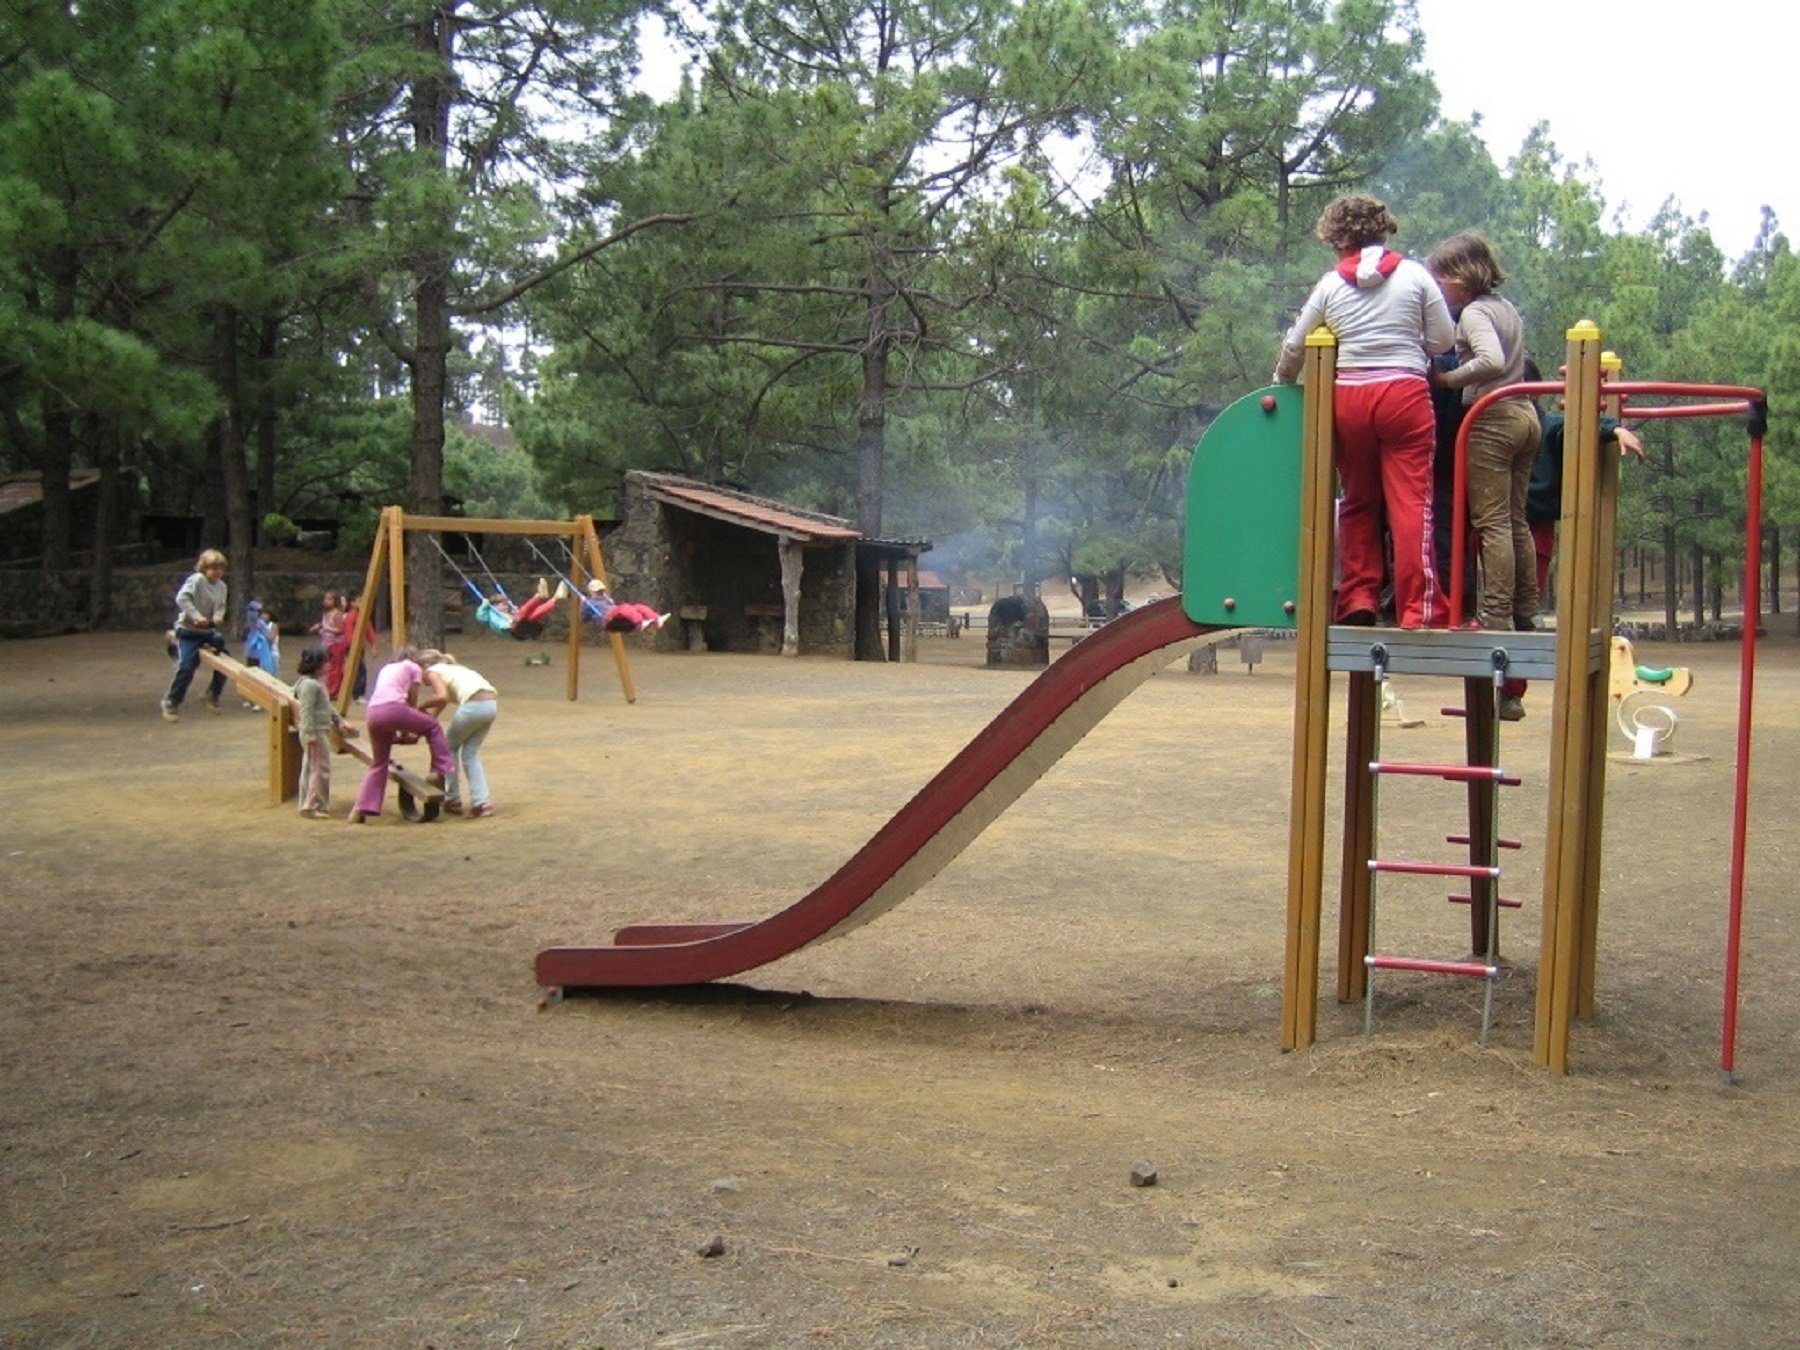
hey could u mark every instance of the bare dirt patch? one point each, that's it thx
(271, 1080)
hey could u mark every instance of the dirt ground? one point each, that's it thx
(274, 1081)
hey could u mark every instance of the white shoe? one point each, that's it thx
(543, 589)
(661, 619)
(562, 591)
(170, 712)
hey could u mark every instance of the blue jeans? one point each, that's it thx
(467, 730)
(188, 642)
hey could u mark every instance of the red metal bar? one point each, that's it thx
(1471, 871)
(1691, 410)
(1456, 773)
(1432, 967)
(1459, 495)
(1740, 807)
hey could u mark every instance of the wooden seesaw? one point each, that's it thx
(420, 799)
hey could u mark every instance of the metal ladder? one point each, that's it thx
(1482, 871)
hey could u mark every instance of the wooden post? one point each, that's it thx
(1573, 710)
(1312, 702)
(1599, 698)
(572, 677)
(284, 753)
(890, 603)
(910, 648)
(793, 560)
(1481, 745)
(377, 556)
(585, 531)
(397, 576)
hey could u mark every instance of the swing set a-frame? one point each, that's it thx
(389, 554)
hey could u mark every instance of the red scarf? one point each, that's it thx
(1346, 267)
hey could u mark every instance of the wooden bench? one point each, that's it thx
(420, 799)
(767, 619)
(693, 626)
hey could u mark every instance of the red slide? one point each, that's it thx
(1034, 731)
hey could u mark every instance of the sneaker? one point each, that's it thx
(484, 809)
(1510, 709)
(453, 806)
(543, 589)
(212, 704)
(661, 619)
(562, 592)
(170, 712)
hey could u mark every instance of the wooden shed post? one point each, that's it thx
(793, 560)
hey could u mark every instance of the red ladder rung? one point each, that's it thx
(1505, 901)
(1473, 873)
(1464, 839)
(1478, 968)
(1458, 773)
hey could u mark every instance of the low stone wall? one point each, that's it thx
(34, 604)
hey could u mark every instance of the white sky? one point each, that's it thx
(1691, 101)
(1686, 101)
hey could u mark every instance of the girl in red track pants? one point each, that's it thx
(1385, 436)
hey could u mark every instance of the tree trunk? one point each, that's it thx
(106, 529)
(59, 434)
(433, 94)
(1671, 578)
(1699, 562)
(1029, 549)
(871, 430)
(267, 343)
(1774, 588)
(233, 469)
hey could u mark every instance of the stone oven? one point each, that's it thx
(1018, 632)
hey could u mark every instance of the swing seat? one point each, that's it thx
(528, 630)
(492, 619)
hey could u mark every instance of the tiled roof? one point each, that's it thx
(741, 508)
(28, 489)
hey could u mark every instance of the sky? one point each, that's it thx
(1687, 102)
(1690, 101)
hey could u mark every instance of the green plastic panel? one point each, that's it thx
(1241, 563)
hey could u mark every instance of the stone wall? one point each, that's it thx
(34, 603)
(143, 599)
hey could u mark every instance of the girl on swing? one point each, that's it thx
(526, 620)
(523, 621)
(618, 616)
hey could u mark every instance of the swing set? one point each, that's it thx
(577, 536)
